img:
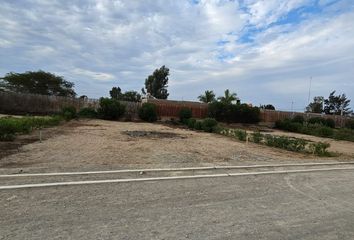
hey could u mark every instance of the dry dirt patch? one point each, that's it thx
(98, 144)
(153, 134)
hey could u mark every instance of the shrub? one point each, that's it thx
(289, 125)
(316, 120)
(344, 134)
(185, 114)
(319, 148)
(198, 125)
(290, 144)
(237, 113)
(208, 124)
(191, 123)
(110, 109)
(9, 126)
(329, 122)
(7, 137)
(7, 129)
(88, 112)
(296, 145)
(148, 112)
(298, 119)
(350, 124)
(323, 131)
(218, 129)
(323, 121)
(241, 135)
(257, 137)
(68, 113)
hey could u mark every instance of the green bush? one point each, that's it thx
(298, 119)
(289, 125)
(329, 122)
(68, 113)
(148, 112)
(233, 113)
(257, 137)
(198, 125)
(241, 135)
(110, 109)
(323, 131)
(218, 129)
(208, 124)
(88, 112)
(191, 123)
(7, 137)
(344, 134)
(290, 144)
(185, 114)
(322, 121)
(9, 126)
(350, 124)
(319, 148)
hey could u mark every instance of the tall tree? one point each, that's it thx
(38, 82)
(156, 84)
(207, 97)
(316, 106)
(228, 97)
(337, 105)
(115, 93)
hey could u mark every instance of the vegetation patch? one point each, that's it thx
(88, 113)
(185, 114)
(148, 112)
(10, 126)
(233, 113)
(317, 126)
(110, 109)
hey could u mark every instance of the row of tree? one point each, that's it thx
(46, 83)
(333, 105)
(209, 97)
(156, 84)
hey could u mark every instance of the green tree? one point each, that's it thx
(316, 106)
(207, 97)
(268, 107)
(131, 96)
(115, 93)
(156, 84)
(337, 105)
(39, 82)
(228, 97)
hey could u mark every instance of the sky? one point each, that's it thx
(266, 51)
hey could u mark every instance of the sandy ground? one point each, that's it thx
(98, 144)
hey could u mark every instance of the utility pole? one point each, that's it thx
(308, 99)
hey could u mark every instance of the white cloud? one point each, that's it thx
(95, 42)
(94, 75)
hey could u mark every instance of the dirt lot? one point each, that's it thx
(98, 144)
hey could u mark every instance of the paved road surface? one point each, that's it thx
(295, 206)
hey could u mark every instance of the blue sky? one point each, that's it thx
(265, 51)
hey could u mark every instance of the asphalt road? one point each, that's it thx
(292, 206)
